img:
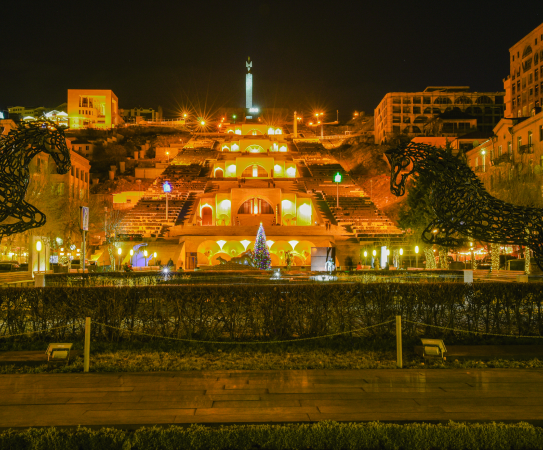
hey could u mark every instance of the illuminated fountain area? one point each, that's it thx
(212, 253)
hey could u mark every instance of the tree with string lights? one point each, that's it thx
(261, 258)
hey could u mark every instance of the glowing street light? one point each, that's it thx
(167, 188)
(417, 257)
(38, 249)
(401, 253)
(168, 155)
(119, 252)
(337, 180)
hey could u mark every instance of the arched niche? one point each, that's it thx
(256, 206)
(254, 171)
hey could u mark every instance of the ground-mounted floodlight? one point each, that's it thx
(58, 352)
(433, 348)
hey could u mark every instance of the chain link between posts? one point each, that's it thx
(472, 332)
(33, 332)
(246, 342)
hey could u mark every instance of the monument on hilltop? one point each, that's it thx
(249, 84)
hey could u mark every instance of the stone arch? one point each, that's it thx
(207, 215)
(527, 51)
(441, 100)
(463, 100)
(483, 99)
(255, 148)
(256, 205)
(254, 171)
(219, 172)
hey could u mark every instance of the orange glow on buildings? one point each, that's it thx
(93, 108)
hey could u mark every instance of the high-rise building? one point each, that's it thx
(408, 112)
(524, 84)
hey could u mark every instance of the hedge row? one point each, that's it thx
(94, 279)
(322, 435)
(267, 312)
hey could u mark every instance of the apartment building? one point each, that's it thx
(93, 108)
(516, 149)
(408, 112)
(524, 84)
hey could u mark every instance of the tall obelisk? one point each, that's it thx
(249, 85)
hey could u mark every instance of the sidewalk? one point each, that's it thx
(275, 396)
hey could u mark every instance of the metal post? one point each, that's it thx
(86, 350)
(399, 342)
(337, 196)
(84, 252)
(166, 207)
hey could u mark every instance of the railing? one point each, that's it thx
(526, 149)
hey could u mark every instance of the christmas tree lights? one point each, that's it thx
(261, 258)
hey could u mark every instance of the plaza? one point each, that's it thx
(230, 252)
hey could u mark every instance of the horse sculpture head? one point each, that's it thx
(400, 159)
(49, 138)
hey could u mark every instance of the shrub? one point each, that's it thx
(264, 312)
(318, 436)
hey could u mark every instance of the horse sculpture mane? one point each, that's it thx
(461, 204)
(17, 149)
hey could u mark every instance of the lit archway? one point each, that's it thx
(219, 172)
(255, 149)
(254, 171)
(256, 206)
(207, 216)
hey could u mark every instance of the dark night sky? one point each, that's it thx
(331, 55)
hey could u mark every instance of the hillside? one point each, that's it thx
(367, 165)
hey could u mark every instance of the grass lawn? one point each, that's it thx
(170, 356)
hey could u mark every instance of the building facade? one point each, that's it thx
(524, 84)
(515, 150)
(408, 112)
(93, 108)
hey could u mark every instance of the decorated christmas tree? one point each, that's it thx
(261, 258)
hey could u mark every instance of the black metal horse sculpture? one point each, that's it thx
(17, 149)
(461, 204)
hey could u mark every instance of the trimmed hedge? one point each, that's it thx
(319, 436)
(267, 312)
(101, 279)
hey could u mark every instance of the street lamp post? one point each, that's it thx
(119, 252)
(167, 188)
(38, 250)
(417, 256)
(374, 255)
(154, 256)
(365, 256)
(337, 179)
(131, 255)
(145, 257)
(168, 156)
(401, 253)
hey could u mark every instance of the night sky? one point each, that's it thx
(326, 55)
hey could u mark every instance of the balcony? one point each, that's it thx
(527, 149)
(504, 158)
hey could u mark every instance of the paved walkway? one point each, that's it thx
(134, 399)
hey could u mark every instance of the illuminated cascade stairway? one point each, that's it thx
(187, 210)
